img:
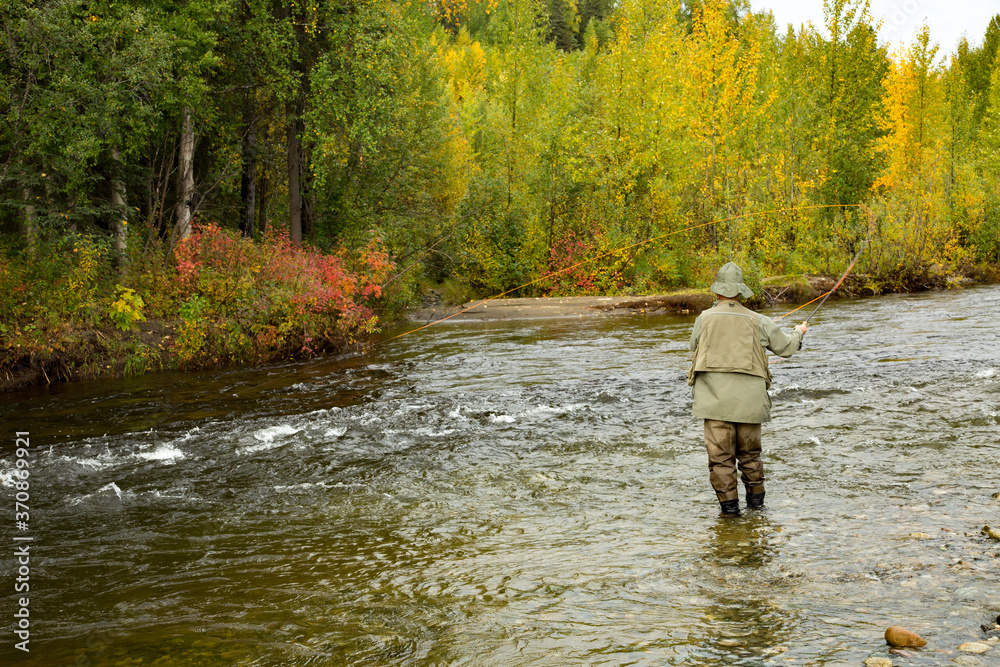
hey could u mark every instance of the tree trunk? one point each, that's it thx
(263, 195)
(248, 187)
(264, 186)
(293, 111)
(294, 181)
(185, 179)
(30, 228)
(118, 199)
(791, 182)
(309, 202)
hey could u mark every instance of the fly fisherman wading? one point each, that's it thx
(730, 376)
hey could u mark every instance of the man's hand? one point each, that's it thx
(803, 328)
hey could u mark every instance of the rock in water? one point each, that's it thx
(900, 636)
(992, 533)
(968, 661)
(974, 647)
(878, 662)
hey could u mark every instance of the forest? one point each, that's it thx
(193, 183)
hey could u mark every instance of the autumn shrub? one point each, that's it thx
(152, 278)
(189, 346)
(671, 267)
(87, 272)
(13, 289)
(613, 262)
(569, 266)
(500, 254)
(127, 310)
(224, 298)
(605, 262)
(64, 283)
(243, 301)
(985, 236)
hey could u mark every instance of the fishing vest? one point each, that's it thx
(729, 342)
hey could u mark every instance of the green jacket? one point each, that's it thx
(729, 369)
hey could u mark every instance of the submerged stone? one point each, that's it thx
(900, 636)
(968, 661)
(974, 647)
(876, 661)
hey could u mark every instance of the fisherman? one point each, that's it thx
(730, 376)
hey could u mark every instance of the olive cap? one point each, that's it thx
(729, 282)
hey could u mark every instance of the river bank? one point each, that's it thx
(795, 289)
(216, 300)
(152, 345)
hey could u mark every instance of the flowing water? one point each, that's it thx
(519, 493)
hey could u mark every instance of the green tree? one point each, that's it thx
(255, 47)
(976, 63)
(851, 66)
(854, 65)
(83, 86)
(383, 133)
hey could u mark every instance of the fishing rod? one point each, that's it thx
(825, 296)
(795, 310)
(821, 298)
(836, 285)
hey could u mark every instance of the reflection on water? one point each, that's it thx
(743, 621)
(527, 493)
(742, 541)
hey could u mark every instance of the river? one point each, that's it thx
(519, 493)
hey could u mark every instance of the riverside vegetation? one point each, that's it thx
(219, 181)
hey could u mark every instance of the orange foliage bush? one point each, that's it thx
(244, 301)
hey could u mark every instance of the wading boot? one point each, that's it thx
(755, 501)
(730, 507)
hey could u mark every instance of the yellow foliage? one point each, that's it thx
(126, 310)
(915, 121)
(720, 75)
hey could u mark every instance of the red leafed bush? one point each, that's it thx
(242, 300)
(572, 273)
